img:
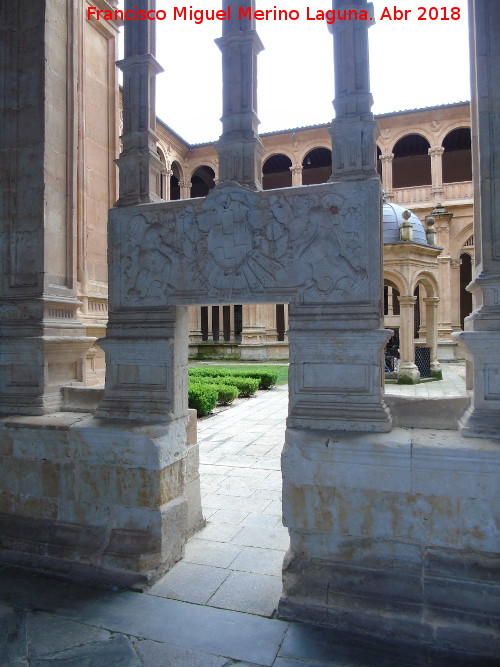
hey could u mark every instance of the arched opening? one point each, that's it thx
(411, 166)
(276, 172)
(317, 166)
(391, 299)
(392, 322)
(175, 189)
(465, 279)
(457, 156)
(379, 162)
(202, 181)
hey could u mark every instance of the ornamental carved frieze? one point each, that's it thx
(311, 247)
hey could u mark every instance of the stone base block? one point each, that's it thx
(394, 535)
(111, 503)
(254, 352)
(449, 351)
(436, 413)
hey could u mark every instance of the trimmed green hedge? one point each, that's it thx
(208, 386)
(202, 398)
(267, 378)
(226, 392)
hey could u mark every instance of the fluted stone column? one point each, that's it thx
(408, 370)
(431, 331)
(481, 339)
(436, 153)
(240, 148)
(386, 160)
(139, 164)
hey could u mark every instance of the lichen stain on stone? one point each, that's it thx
(323, 518)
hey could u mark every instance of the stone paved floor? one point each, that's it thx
(235, 562)
(213, 608)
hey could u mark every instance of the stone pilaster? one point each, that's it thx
(408, 371)
(139, 164)
(386, 160)
(42, 342)
(436, 153)
(239, 147)
(481, 339)
(353, 129)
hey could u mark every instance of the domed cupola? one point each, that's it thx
(393, 217)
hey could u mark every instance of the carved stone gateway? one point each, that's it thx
(313, 248)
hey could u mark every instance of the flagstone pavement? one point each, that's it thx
(214, 608)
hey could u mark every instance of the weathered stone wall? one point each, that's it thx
(111, 504)
(394, 535)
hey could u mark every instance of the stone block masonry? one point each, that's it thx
(112, 504)
(394, 535)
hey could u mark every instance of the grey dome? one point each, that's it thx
(392, 217)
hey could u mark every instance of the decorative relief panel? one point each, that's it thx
(312, 246)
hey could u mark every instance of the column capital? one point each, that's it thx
(386, 157)
(435, 150)
(296, 168)
(407, 300)
(432, 300)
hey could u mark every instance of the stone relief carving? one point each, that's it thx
(236, 241)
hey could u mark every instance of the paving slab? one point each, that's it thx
(214, 631)
(167, 655)
(115, 652)
(208, 552)
(190, 582)
(47, 633)
(248, 592)
(259, 561)
(268, 538)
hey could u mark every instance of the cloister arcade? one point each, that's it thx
(424, 161)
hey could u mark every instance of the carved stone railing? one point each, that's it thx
(423, 195)
(417, 195)
(458, 191)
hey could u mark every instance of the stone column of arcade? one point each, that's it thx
(408, 370)
(142, 417)
(386, 160)
(337, 417)
(481, 338)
